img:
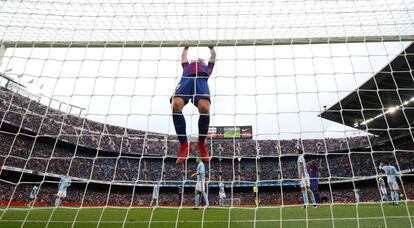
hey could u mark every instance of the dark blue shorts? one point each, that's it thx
(314, 185)
(192, 88)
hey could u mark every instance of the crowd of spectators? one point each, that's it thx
(43, 156)
(133, 156)
(29, 114)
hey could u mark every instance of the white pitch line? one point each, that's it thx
(209, 221)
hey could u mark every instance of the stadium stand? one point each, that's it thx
(51, 143)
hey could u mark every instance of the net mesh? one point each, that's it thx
(85, 89)
(202, 20)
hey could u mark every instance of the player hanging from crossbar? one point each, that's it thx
(193, 86)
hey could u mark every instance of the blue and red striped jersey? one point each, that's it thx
(197, 68)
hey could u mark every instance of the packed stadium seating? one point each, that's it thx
(43, 156)
(49, 141)
(45, 121)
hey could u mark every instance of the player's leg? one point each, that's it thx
(315, 190)
(203, 106)
(397, 193)
(178, 104)
(205, 196)
(311, 196)
(196, 198)
(202, 100)
(307, 190)
(57, 201)
(197, 194)
(384, 198)
(30, 202)
(394, 192)
(182, 94)
(317, 197)
(397, 196)
(304, 195)
(392, 195)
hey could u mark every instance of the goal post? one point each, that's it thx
(2, 52)
(235, 202)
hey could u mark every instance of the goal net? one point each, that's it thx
(310, 120)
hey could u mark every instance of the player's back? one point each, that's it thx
(64, 183)
(391, 172)
(34, 191)
(313, 171)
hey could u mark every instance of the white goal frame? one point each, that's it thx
(200, 43)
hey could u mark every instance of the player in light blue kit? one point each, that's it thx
(201, 183)
(64, 183)
(392, 174)
(222, 194)
(154, 195)
(304, 179)
(33, 195)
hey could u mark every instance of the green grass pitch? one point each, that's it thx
(290, 217)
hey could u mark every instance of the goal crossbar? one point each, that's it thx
(202, 43)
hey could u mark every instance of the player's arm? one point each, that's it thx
(195, 174)
(212, 55)
(318, 174)
(397, 173)
(184, 58)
